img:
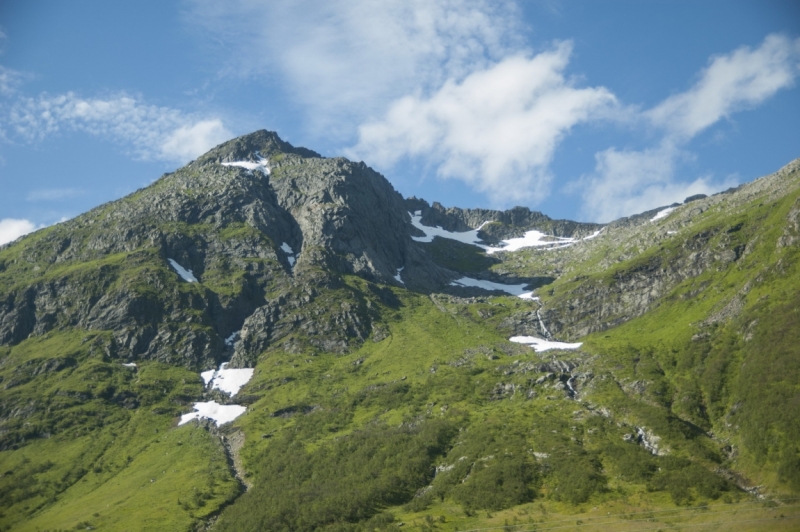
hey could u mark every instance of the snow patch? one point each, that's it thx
(208, 376)
(512, 289)
(532, 238)
(540, 344)
(261, 165)
(290, 254)
(662, 214)
(231, 381)
(221, 414)
(595, 234)
(467, 237)
(129, 364)
(397, 277)
(183, 272)
(227, 380)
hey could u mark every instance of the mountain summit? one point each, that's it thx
(267, 339)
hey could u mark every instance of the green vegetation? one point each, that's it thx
(379, 407)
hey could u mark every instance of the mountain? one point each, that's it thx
(267, 339)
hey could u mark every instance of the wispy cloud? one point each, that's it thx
(343, 61)
(10, 80)
(496, 130)
(12, 228)
(629, 181)
(53, 194)
(145, 131)
(740, 80)
(453, 85)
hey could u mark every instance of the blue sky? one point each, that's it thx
(583, 110)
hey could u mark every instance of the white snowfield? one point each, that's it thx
(532, 239)
(262, 165)
(529, 239)
(208, 376)
(183, 272)
(397, 277)
(227, 380)
(540, 344)
(662, 214)
(129, 364)
(221, 414)
(595, 234)
(467, 237)
(512, 289)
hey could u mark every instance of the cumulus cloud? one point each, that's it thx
(146, 131)
(189, 141)
(497, 129)
(452, 84)
(344, 60)
(627, 182)
(630, 181)
(447, 81)
(12, 228)
(732, 82)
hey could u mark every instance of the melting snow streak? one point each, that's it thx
(662, 214)
(221, 414)
(539, 344)
(530, 239)
(183, 272)
(513, 289)
(261, 165)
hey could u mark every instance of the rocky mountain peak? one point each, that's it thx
(263, 142)
(256, 221)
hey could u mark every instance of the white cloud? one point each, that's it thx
(9, 80)
(344, 60)
(187, 142)
(53, 194)
(627, 182)
(732, 82)
(497, 129)
(11, 229)
(146, 131)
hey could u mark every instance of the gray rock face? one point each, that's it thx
(229, 225)
(511, 223)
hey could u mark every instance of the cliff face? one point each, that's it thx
(255, 236)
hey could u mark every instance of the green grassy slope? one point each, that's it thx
(436, 421)
(96, 444)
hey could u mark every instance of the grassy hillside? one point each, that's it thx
(685, 392)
